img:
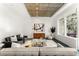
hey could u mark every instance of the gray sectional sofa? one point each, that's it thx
(38, 51)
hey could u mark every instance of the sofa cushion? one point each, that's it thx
(49, 51)
(34, 51)
(19, 38)
(1, 45)
(15, 45)
(8, 39)
(7, 45)
(13, 38)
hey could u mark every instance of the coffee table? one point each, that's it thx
(39, 43)
(34, 43)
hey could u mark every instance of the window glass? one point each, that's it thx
(72, 25)
(62, 26)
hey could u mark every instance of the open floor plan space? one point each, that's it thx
(39, 29)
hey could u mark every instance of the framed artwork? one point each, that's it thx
(39, 27)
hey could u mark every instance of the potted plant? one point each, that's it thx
(52, 32)
(53, 29)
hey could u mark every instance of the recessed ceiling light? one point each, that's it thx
(37, 8)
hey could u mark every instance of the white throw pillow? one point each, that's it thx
(13, 38)
(1, 44)
(21, 35)
(15, 45)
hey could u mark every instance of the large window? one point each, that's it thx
(62, 26)
(68, 25)
(72, 25)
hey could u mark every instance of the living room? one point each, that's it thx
(26, 26)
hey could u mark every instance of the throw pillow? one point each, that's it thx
(15, 45)
(13, 38)
(1, 45)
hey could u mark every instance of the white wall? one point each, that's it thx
(14, 19)
(64, 12)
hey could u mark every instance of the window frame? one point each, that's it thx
(65, 28)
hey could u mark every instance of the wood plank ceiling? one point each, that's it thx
(42, 9)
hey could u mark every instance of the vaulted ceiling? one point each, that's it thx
(42, 9)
